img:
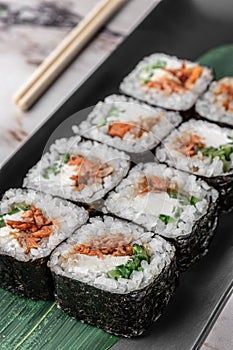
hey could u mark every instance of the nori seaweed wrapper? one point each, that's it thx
(189, 114)
(224, 185)
(30, 279)
(128, 314)
(192, 247)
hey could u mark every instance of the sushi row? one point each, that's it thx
(119, 270)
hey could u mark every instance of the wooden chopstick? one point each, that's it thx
(64, 53)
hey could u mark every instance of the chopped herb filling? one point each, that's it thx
(194, 200)
(223, 152)
(56, 167)
(113, 112)
(148, 71)
(133, 264)
(166, 219)
(2, 222)
(184, 201)
(15, 209)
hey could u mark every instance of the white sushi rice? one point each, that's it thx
(66, 218)
(93, 271)
(61, 184)
(127, 110)
(132, 84)
(210, 107)
(146, 209)
(213, 135)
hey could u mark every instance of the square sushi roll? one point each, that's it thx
(216, 104)
(32, 224)
(167, 81)
(127, 124)
(82, 171)
(174, 205)
(114, 275)
(204, 149)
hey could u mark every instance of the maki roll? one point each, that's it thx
(127, 124)
(114, 275)
(204, 149)
(32, 224)
(177, 206)
(217, 103)
(167, 81)
(79, 171)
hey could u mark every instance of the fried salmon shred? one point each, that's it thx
(32, 229)
(119, 129)
(115, 246)
(189, 144)
(224, 93)
(136, 129)
(176, 80)
(88, 172)
(152, 184)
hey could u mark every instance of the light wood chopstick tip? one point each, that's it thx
(63, 54)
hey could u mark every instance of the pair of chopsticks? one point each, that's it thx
(64, 53)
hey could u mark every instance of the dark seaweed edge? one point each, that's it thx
(30, 279)
(224, 185)
(190, 248)
(128, 314)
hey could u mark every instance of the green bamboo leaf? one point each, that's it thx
(59, 331)
(220, 59)
(18, 317)
(27, 324)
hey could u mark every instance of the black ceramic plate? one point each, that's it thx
(186, 28)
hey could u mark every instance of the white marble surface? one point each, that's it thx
(29, 30)
(23, 47)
